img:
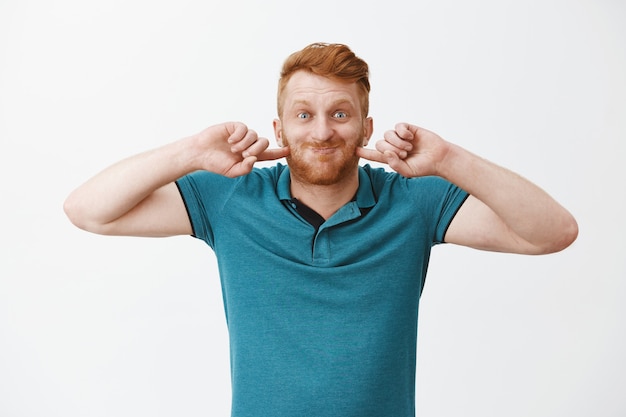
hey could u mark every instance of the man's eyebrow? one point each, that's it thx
(301, 102)
(343, 101)
(337, 102)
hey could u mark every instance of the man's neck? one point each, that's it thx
(326, 199)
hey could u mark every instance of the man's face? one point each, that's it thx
(322, 124)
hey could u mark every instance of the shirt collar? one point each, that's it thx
(364, 196)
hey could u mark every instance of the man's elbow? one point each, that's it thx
(74, 214)
(563, 237)
(570, 234)
(79, 215)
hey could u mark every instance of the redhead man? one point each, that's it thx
(323, 260)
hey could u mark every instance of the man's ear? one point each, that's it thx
(368, 130)
(278, 132)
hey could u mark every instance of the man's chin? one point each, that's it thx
(321, 172)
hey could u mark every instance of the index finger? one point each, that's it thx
(272, 154)
(371, 154)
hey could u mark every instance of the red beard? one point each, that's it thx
(322, 169)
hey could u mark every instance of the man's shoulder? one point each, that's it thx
(264, 174)
(396, 186)
(377, 174)
(270, 173)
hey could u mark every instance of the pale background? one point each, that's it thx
(103, 326)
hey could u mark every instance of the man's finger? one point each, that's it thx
(272, 154)
(371, 154)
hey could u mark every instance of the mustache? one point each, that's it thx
(328, 144)
(323, 145)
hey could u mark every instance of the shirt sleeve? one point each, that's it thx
(452, 198)
(203, 194)
(437, 199)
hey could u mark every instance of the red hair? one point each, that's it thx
(332, 60)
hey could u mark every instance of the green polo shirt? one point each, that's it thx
(322, 320)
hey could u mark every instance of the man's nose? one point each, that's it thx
(322, 129)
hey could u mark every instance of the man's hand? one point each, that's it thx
(504, 211)
(409, 150)
(138, 196)
(231, 149)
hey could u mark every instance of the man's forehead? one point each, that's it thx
(302, 81)
(307, 90)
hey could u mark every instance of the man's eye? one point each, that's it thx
(303, 115)
(340, 115)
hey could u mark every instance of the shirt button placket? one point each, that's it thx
(321, 247)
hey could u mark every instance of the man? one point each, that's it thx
(322, 261)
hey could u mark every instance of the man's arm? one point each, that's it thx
(504, 213)
(138, 197)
